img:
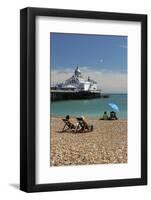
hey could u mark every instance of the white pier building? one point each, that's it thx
(78, 83)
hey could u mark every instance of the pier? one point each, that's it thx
(69, 95)
(76, 87)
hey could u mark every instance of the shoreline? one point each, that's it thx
(87, 117)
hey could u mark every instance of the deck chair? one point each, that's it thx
(68, 125)
(82, 127)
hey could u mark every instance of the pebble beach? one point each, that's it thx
(106, 144)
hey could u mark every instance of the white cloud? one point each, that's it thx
(108, 81)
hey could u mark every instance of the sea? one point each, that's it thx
(93, 108)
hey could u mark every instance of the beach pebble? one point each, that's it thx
(106, 144)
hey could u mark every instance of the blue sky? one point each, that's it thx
(104, 54)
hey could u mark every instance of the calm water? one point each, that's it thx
(90, 108)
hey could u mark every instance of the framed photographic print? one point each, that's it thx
(83, 99)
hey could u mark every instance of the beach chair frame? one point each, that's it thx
(71, 127)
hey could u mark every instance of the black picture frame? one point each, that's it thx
(28, 99)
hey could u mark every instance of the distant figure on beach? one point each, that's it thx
(113, 116)
(105, 116)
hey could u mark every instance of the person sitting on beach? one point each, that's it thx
(113, 116)
(105, 116)
(84, 122)
(68, 123)
(84, 125)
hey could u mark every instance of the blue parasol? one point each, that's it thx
(114, 107)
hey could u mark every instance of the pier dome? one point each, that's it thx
(78, 83)
(77, 72)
